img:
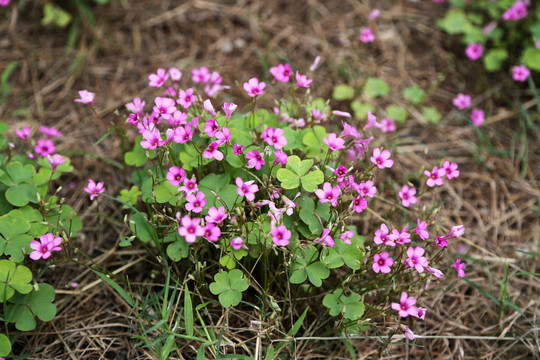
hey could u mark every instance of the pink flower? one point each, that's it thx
(159, 78)
(435, 272)
(486, 30)
(212, 232)
(349, 131)
(517, 11)
(56, 160)
(382, 262)
(302, 81)
(450, 170)
(421, 313)
(247, 189)
(163, 108)
(281, 73)
(346, 237)
(44, 147)
(421, 229)
(326, 239)
(216, 215)
(382, 236)
(238, 149)
(341, 171)
(408, 333)
(366, 188)
(200, 75)
(275, 137)
(280, 235)
(401, 237)
(190, 185)
(406, 306)
(334, 143)
(477, 117)
(440, 241)
(195, 203)
(416, 259)
(182, 134)
(213, 152)
(152, 139)
(462, 101)
(407, 196)
(435, 177)
(229, 108)
(374, 14)
(387, 125)
(318, 115)
(190, 228)
(281, 157)
(45, 246)
(254, 88)
(359, 204)
(460, 267)
(49, 132)
(255, 159)
(24, 133)
(175, 74)
(366, 36)
(207, 104)
(86, 97)
(186, 98)
(315, 63)
(328, 194)
(136, 106)
(223, 136)
(474, 51)
(372, 121)
(4, 3)
(382, 159)
(238, 243)
(456, 231)
(94, 189)
(175, 175)
(520, 73)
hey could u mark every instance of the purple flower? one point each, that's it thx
(49, 132)
(450, 169)
(238, 243)
(186, 98)
(24, 133)
(440, 241)
(456, 231)
(382, 236)
(359, 204)
(213, 152)
(212, 232)
(56, 160)
(302, 81)
(421, 229)
(275, 137)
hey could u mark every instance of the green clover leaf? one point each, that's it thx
(351, 307)
(229, 286)
(13, 278)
